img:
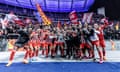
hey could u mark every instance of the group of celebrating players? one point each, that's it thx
(73, 41)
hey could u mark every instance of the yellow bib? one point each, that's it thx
(10, 46)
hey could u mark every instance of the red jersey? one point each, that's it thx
(101, 34)
(33, 43)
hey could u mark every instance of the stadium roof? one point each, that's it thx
(53, 5)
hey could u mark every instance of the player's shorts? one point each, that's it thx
(50, 43)
(96, 43)
(102, 43)
(38, 44)
(44, 43)
(21, 42)
(41, 43)
(19, 45)
(84, 45)
(33, 44)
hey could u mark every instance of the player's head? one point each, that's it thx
(85, 25)
(96, 26)
(80, 25)
(89, 27)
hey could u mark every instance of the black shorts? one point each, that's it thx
(20, 43)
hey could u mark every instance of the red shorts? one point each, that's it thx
(84, 45)
(38, 44)
(96, 43)
(50, 43)
(34, 45)
(43, 43)
(102, 43)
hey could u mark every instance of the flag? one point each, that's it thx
(59, 24)
(104, 20)
(87, 17)
(2, 22)
(38, 17)
(84, 17)
(73, 17)
(18, 21)
(11, 17)
(45, 19)
(27, 20)
(5, 21)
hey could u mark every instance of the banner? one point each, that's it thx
(73, 17)
(38, 17)
(59, 24)
(2, 22)
(27, 20)
(7, 19)
(11, 17)
(87, 17)
(45, 19)
(18, 21)
(101, 11)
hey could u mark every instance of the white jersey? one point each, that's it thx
(95, 37)
(61, 38)
(51, 37)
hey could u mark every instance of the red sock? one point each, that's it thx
(12, 55)
(100, 55)
(52, 52)
(46, 52)
(37, 52)
(33, 53)
(43, 50)
(26, 54)
(104, 53)
(30, 54)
